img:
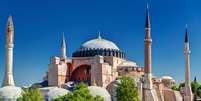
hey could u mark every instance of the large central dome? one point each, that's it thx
(98, 46)
(99, 43)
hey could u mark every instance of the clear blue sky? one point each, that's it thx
(39, 24)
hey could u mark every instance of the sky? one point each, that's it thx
(39, 25)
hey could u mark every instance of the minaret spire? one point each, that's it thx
(147, 51)
(186, 34)
(148, 92)
(99, 35)
(187, 89)
(147, 23)
(8, 78)
(187, 58)
(63, 47)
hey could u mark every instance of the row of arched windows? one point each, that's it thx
(102, 52)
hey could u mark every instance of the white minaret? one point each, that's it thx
(187, 90)
(63, 48)
(8, 78)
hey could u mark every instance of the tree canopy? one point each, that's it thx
(195, 87)
(80, 93)
(31, 94)
(127, 90)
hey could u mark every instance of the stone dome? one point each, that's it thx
(99, 91)
(55, 93)
(10, 93)
(99, 43)
(98, 46)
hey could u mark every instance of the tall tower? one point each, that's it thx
(147, 52)
(187, 89)
(149, 94)
(63, 48)
(58, 68)
(8, 78)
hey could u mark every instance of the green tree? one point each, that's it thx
(31, 94)
(80, 93)
(199, 91)
(127, 90)
(98, 98)
(195, 86)
(174, 87)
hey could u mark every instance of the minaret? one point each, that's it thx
(147, 52)
(8, 78)
(149, 94)
(63, 48)
(188, 93)
(187, 59)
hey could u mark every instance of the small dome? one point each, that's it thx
(128, 64)
(167, 78)
(10, 92)
(99, 91)
(56, 92)
(99, 43)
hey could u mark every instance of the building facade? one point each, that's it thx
(97, 60)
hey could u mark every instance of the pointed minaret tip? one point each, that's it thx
(195, 79)
(147, 5)
(99, 35)
(10, 21)
(63, 43)
(186, 34)
(147, 24)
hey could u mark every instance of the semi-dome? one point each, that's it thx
(99, 43)
(99, 91)
(10, 93)
(55, 93)
(98, 46)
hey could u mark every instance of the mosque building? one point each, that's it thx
(97, 60)
(99, 63)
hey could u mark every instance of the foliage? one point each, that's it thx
(199, 91)
(80, 93)
(98, 98)
(195, 87)
(174, 87)
(31, 94)
(181, 85)
(127, 90)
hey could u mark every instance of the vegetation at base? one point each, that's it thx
(31, 94)
(80, 93)
(195, 87)
(127, 90)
